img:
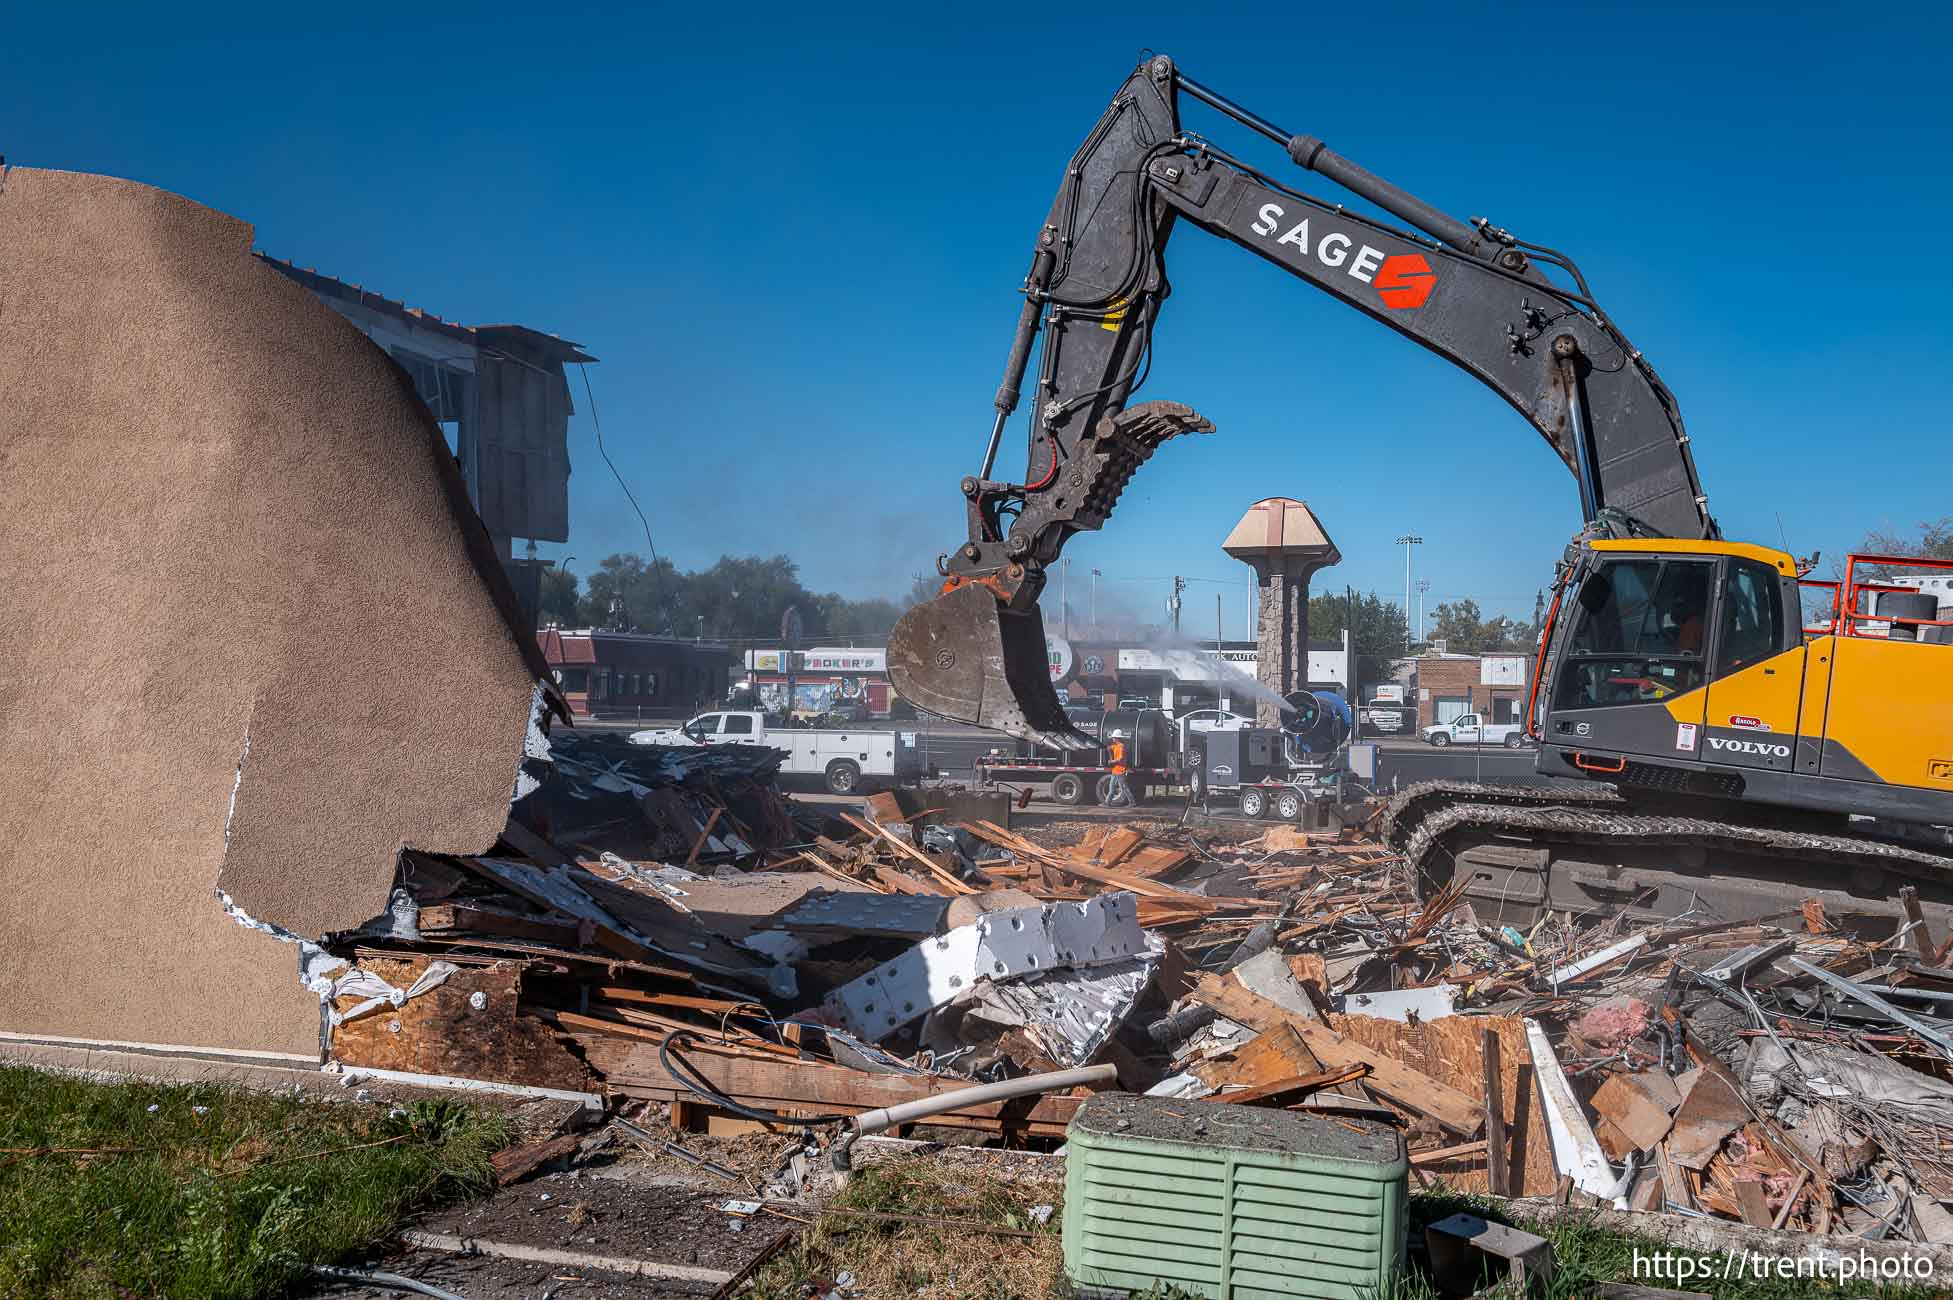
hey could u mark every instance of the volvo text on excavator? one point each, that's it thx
(1727, 757)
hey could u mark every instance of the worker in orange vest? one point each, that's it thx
(1115, 753)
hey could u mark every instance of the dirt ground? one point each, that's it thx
(620, 1203)
(625, 1203)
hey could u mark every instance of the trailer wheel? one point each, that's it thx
(1197, 785)
(1253, 803)
(1067, 789)
(1289, 806)
(843, 777)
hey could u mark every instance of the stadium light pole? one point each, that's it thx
(1407, 541)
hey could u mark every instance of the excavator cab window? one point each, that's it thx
(1752, 617)
(1640, 635)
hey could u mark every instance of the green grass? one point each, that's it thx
(926, 1261)
(891, 1260)
(1586, 1253)
(210, 1191)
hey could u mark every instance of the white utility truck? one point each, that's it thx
(846, 760)
(1471, 729)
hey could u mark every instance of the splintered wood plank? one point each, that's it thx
(1117, 846)
(1155, 860)
(884, 807)
(1274, 1053)
(479, 918)
(779, 1084)
(1296, 1086)
(1452, 1048)
(1137, 885)
(1284, 839)
(442, 1032)
(1752, 1203)
(645, 997)
(512, 1164)
(1497, 1169)
(910, 851)
(1411, 1089)
(1710, 1112)
(691, 859)
(1639, 1105)
(1091, 845)
(901, 882)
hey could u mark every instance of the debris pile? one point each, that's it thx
(763, 964)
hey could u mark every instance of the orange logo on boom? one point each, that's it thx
(1405, 280)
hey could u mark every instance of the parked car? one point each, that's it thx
(1382, 719)
(1474, 730)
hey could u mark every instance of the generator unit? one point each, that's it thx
(1242, 757)
(1231, 1202)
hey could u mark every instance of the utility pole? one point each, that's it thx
(1095, 603)
(1349, 664)
(1173, 601)
(1407, 541)
(1064, 586)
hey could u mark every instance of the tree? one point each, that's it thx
(1378, 635)
(925, 587)
(559, 599)
(1933, 540)
(626, 594)
(837, 616)
(1465, 630)
(738, 598)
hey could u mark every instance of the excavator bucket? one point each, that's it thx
(965, 657)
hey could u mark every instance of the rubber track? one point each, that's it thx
(1408, 808)
(1554, 821)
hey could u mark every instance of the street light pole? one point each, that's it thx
(1423, 585)
(1095, 603)
(1407, 541)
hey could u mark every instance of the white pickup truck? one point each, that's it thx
(845, 760)
(1474, 730)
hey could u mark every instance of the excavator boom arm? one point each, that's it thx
(1469, 292)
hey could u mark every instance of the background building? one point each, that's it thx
(499, 393)
(821, 678)
(628, 675)
(1452, 685)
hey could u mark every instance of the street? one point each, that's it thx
(953, 748)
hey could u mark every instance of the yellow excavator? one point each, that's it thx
(1720, 755)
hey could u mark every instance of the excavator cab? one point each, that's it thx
(1673, 662)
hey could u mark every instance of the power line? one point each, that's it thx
(597, 424)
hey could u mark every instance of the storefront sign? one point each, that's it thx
(1058, 651)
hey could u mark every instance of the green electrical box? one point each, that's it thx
(1232, 1202)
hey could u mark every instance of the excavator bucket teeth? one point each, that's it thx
(965, 657)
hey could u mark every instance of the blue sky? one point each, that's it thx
(793, 235)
